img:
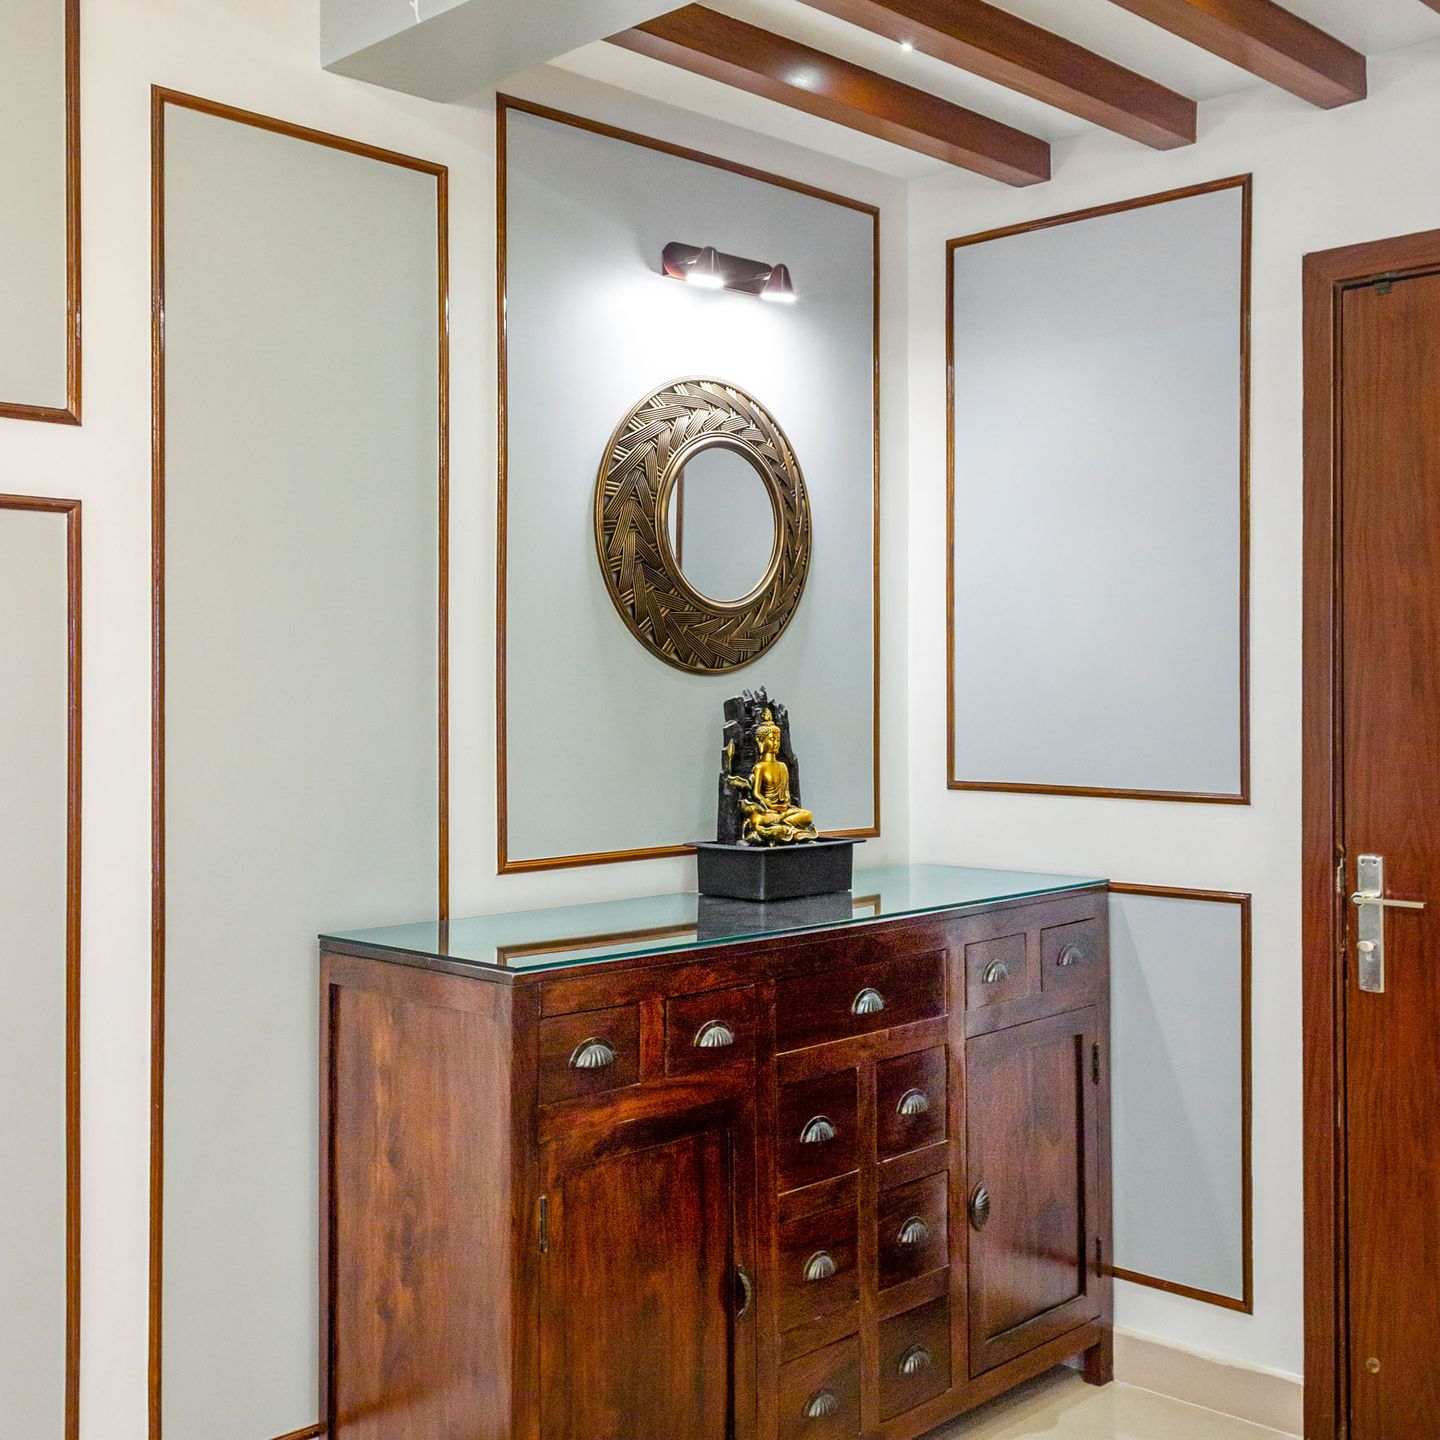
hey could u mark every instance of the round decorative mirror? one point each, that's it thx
(721, 523)
(702, 525)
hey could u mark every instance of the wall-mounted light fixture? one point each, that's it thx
(707, 267)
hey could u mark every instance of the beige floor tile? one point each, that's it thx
(1060, 1406)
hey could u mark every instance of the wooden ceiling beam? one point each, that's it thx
(1268, 41)
(721, 48)
(1001, 47)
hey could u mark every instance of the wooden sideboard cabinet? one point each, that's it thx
(683, 1170)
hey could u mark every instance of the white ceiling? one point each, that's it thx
(1373, 26)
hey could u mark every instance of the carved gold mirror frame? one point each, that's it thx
(644, 460)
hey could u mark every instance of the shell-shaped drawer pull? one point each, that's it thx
(818, 1131)
(821, 1404)
(592, 1054)
(913, 1102)
(868, 1002)
(714, 1035)
(916, 1359)
(820, 1266)
(913, 1232)
(995, 972)
(1071, 955)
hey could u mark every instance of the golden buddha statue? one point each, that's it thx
(770, 817)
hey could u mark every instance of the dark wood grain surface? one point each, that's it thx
(1269, 41)
(618, 1219)
(1010, 51)
(708, 43)
(1390, 723)
(1032, 1263)
(1327, 276)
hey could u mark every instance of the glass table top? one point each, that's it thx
(538, 940)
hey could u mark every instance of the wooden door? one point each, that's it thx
(1389, 711)
(1032, 1139)
(645, 1326)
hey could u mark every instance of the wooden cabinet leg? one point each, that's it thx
(1100, 1360)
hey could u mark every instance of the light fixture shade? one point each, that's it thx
(778, 288)
(706, 271)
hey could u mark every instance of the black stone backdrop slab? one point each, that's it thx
(743, 714)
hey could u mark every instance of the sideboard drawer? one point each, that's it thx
(910, 1102)
(997, 972)
(815, 1123)
(820, 1395)
(818, 1273)
(707, 1031)
(589, 1053)
(1070, 956)
(912, 1230)
(811, 1009)
(914, 1358)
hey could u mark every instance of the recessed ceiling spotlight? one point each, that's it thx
(907, 45)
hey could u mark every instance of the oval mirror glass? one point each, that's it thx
(721, 524)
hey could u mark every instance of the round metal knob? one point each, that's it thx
(995, 972)
(913, 1102)
(592, 1054)
(820, 1266)
(714, 1035)
(867, 1002)
(821, 1404)
(980, 1207)
(1071, 955)
(913, 1232)
(818, 1131)
(915, 1359)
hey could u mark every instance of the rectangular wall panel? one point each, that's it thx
(1180, 996)
(38, 974)
(39, 209)
(592, 326)
(1099, 501)
(298, 492)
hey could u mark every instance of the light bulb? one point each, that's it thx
(778, 289)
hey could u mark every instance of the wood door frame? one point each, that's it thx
(1327, 275)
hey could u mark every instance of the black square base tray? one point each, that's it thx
(779, 872)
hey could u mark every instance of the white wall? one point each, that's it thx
(263, 55)
(1322, 179)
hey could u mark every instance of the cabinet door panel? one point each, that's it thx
(639, 1327)
(1032, 1115)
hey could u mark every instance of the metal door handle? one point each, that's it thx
(1372, 902)
(1361, 898)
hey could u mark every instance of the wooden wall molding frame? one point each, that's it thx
(71, 510)
(504, 104)
(1242, 797)
(1246, 1303)
(161, 98)
(69, 413)
(1327, 275)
